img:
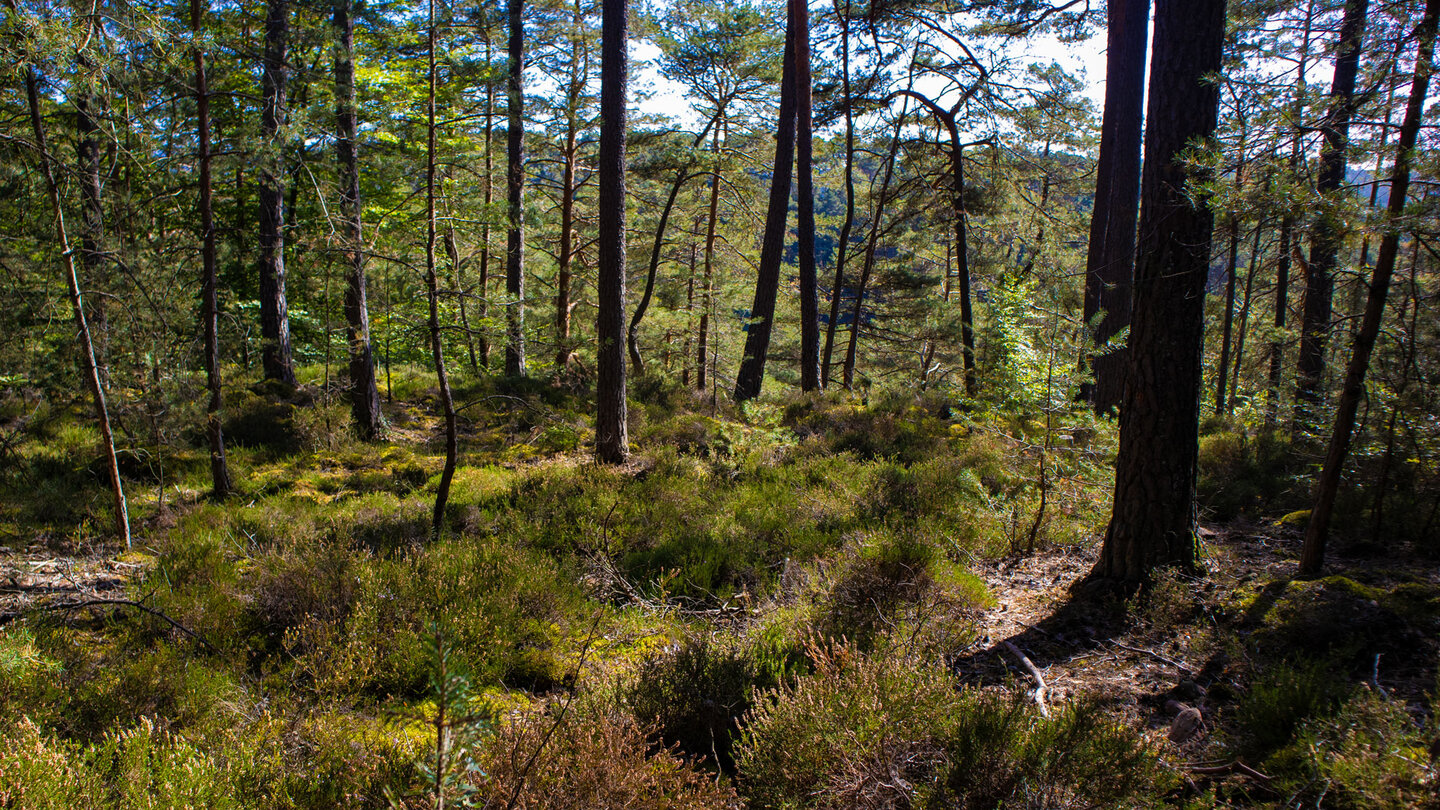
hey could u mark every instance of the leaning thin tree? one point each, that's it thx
(1312, 556)
(1154, 522)
(77, 306)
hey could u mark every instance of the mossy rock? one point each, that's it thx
(1349, 620)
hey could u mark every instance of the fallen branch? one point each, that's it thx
(1184, 670)
(1039, 693)
(1228, 768)
(6, 618)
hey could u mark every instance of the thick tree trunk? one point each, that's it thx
(805, 193)
(612, 443)
(842, 248)
(1110, 262)
(437, 349)
(209, 300)
(515, 186)
(1312, 556)
(275, 352)
(1328, 232)
(77, 309)
(767, 277)
(1154, 521)
(364, 393)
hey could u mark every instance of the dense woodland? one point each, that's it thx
(402, 405)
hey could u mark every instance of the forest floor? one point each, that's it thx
(710, 572)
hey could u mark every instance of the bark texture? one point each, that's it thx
(364, 391)
(1154, 519)
(275, 351)
(1110, 262)
(612, 444)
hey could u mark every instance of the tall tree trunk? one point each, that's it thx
(1328, 232)
(847, 372)
(632, 341)
(92, 214)
(209, 303)
(484, 280)
(567, 249)
(805, 192)
(515, 185)
(1110, 261)
(1254, 265)
(612, 443)
(702, 339)
(437, 349)
(1282, 310)
(364, 393)
(1154, 522)
(1222, 368)
(842, 249)
(275, 352)
(77, 306)
(767, 278)
(1312, 556)
(962, 258)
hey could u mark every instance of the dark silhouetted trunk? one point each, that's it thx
(632, 340)
(702, 339)
(364, 393)
(1222, 368)
(1312, 556)
(92, 214)
(805, 194)
(1254, 265)
(612, 443)
(209, 299)
(767, 276)
(1328, 232)
(275, 353)
(1110, 263)
(484, 281)
(843, 247)
(1154, 522)
(515, 187)
(847, 372)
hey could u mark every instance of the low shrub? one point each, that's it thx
(589, 756)
(694, 696)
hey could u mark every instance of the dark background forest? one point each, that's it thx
(422, 404)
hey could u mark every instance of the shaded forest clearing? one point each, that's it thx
(811, 602)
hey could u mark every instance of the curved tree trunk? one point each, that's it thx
(275, 351)
(767, 278)
(1110, 262)
(612, 444)
(364, 392)
(632, 342)
(847, 372)
(1154, 521)
(1312, 556)
(437, 349)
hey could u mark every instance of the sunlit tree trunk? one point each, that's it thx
(515, 185)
